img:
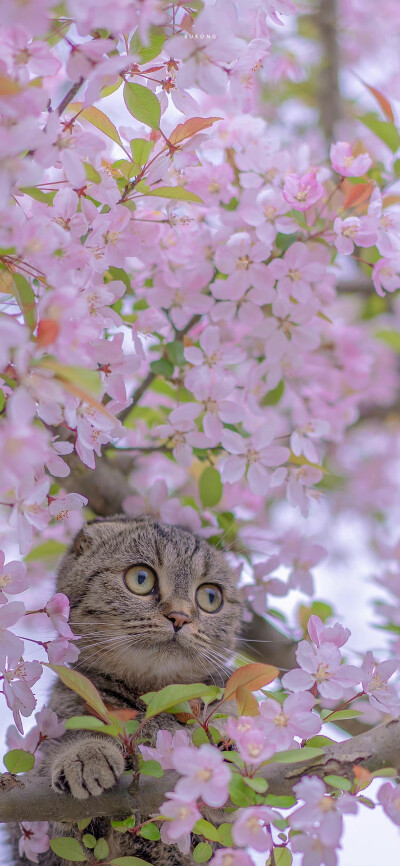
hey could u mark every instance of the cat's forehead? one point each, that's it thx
(120, 542)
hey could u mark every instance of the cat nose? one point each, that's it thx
(178, 619)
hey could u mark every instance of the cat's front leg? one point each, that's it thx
(87, 766)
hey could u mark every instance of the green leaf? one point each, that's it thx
(175, 192)
(150, 51)
(48, 550)
(18, 761)
(142, 104)
(26, 300)
(295, 756)
(162, 701)
(38, 194)
(141, 150)
(162, 367)
(283, 857)
(91, 723)
(319, 742)
(391, 338)
(151, 768)
(175, 352)
(130, 861)
(150, 831)
(2, 400)
(83, 823)
(338, 782)
(225, 835)
(68, 849)
(91, 173)
(280, 801)
(202, 852)
(384, 773)
(367, 802)
(239, 793)
(273, 397)
(199, 737)
(131, 726)
(210, 487)
(326, 715)
(82, 686)
(123, 826)
(101, 849)
(206, 829)
(256, 784)
(387, 132)
(88, 840)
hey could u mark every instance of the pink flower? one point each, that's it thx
(353, 231)
(206, 774)
(321, 667)
(300, 439)
(61, 651)
(48, 724)
(34, 840)
(385, 276)
(211, 353)
(57, 610)
(382, 696)
(318, 847)
(388, 225)
(13, 578)
(16, 685)
(252, 456)
(182, 432)
(302, 192)
(295, 272)
(10, 644)
(242, 260)
(184, 814)
(299, 480)
(61, 507)
(345, 163)
(320, 808)
(254, 746)
(231, 857)
(389, 796)
(293, 719)
(320, 633)
(249, 828)
(166, 743)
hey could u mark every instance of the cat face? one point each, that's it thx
(154, 603)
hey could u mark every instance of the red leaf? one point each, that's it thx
(47, 332)
(253, 676)
(381, 100)
(190, 127)
(358, 194)
(247, 704)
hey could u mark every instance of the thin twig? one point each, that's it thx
(70, 95)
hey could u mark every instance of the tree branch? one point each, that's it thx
(375, 749)
(70, 95)
(329, 94)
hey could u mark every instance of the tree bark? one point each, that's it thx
(374, 750)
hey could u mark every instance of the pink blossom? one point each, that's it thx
(16, 686)
(57, 610)
(231, 857)
(389, 796)
(34, 839)
(48, 724)
(181, 432)
(352, 231)
(299, 479)
(13, 578)
(206, 775)
(184, 814)
(300, 439)
(60, 651)
(254, 746)
(345, 163)
(321, 667)
(382, 696)
(296, 271)
(320, 808)
(252, 456)
(320, 633)
(293, 719)
(10, 644)
(166, 743)
(249, 828)
(385, 275)
(302, 192)
(60, 508)
(211, 353)
(242, 260)
(318, 846)
(388, 225)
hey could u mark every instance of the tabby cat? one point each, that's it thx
(154, 604)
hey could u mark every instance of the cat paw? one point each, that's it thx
(87, 768)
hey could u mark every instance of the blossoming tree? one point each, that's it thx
(199, 320)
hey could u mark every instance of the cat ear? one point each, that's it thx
(94, 530)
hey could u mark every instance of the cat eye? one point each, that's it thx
(140, 579)
(209, 597)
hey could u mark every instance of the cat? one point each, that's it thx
(154, 604)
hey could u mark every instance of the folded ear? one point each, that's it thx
(96, 530)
